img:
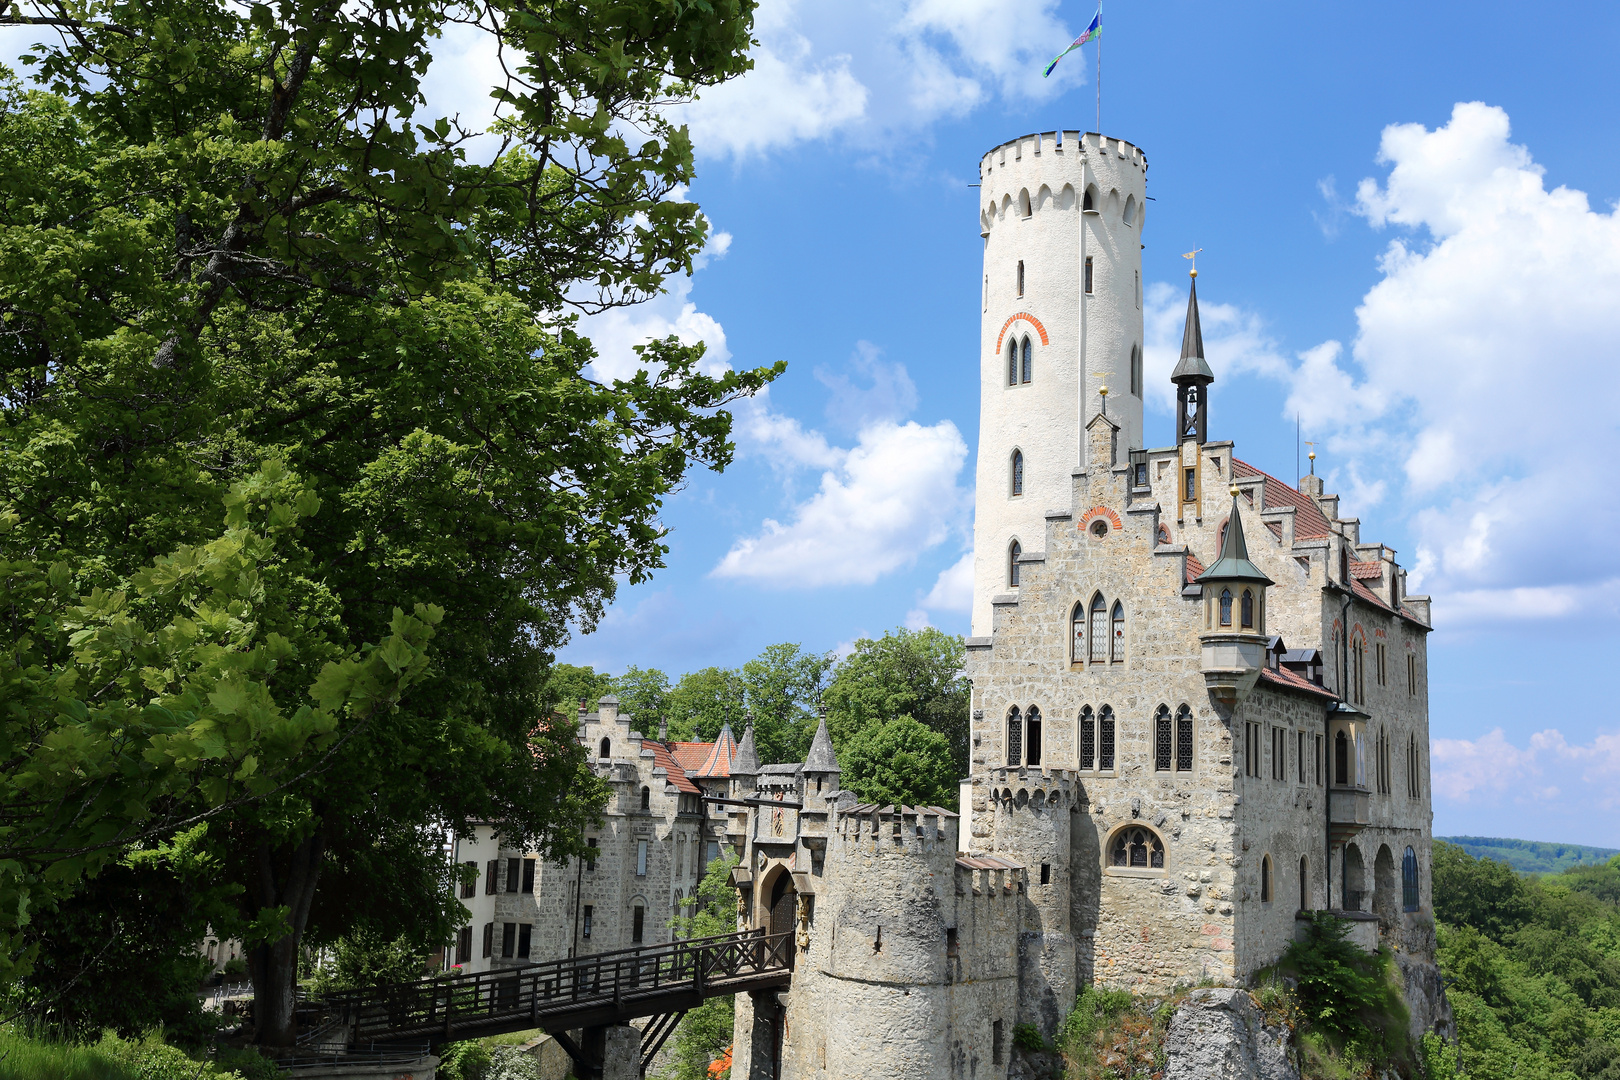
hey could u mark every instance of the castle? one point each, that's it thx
(1199, 711)
(1200, 703)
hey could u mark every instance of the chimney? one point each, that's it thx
(663, 729)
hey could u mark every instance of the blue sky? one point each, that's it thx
(1409, 239)
(1431, 283)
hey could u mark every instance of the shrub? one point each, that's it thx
(464, 1061)
(1345, 995)
(1028, 1037)
(1094, 1011)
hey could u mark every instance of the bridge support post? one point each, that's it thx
(605, 1053)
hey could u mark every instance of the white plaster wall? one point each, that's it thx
(1086, 335)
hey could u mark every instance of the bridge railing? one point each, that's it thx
(561, 985)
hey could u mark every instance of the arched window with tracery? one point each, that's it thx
(1247, 612)
(1018, 472)
(1226, 607)
(1409, 881)
(1265, 879)
(1029, 362)
(1088, 739)
(1032, 736)
(1105, 739)
(1013, 551)
(1116, 648)
(1077, 633)
(1162, 742)
(1012, 362)
(1015, 736)
(1136, 848)
(1184, 739)
(1099, 629)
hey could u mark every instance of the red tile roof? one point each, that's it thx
(721, 753)
(1294, 681)
(665, 760)
(1366, 570)
(1194, 568)
(1309, 521)
(691, 755)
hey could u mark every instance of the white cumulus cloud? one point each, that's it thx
(891, 497)
(1490, 767)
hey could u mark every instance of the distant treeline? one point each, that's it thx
(1532, 856)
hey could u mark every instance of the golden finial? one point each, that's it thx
(1193, 255)
(1102, 377)
(1312, 455)
(1235, 491)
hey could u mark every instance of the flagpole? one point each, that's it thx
(1099, 67)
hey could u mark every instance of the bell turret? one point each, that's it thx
(1192, 377)
(1234, 633)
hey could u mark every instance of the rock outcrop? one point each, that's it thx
(1220, 1034)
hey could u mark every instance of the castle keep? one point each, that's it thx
(1200, 702)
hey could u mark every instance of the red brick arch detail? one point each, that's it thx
(1027, 317)
(1100, 512)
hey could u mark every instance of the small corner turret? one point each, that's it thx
(1234, 633)
(1192, 377)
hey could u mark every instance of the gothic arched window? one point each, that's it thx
(1089, 203)
(1226, 607)
(1012, 362)
(1117, 646)
(1012, 563)
(1032, 736)
(1028, 368)
(1015, 736)
(1162, 743)
(1105, 739)
(1248, 609)
(1088, 739)
(1136, 849)
(1184, 739)
(1018, 472)
(1077, 634)
(1099, 629)
(1409, 881)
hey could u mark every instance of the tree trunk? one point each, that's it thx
(285, 878)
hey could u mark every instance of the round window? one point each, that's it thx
(1099, 528)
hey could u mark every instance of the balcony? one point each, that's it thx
(1348, 812)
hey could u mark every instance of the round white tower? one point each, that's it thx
(1061, 215)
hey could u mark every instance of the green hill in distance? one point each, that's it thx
(1532, 856)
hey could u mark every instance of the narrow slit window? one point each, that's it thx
(1117, 642)
(1088, 275)
(1028, 369)
(1032, 736)
(1020, 277)
(1077, 634)
(1190, 485)
(1018, 472)
(1012, 563)
(1012, 362)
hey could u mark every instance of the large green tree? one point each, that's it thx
(914, 673)
(233, 233)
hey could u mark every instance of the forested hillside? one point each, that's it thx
(1533, 967)
(1532, 856)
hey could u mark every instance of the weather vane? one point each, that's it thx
(1193, 255)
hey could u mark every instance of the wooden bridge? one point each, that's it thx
(586, 993)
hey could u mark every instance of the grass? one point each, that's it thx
(26, 1057)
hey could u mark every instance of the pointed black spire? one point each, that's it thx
(1192, 377)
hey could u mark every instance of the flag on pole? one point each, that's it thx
(1093, 32)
